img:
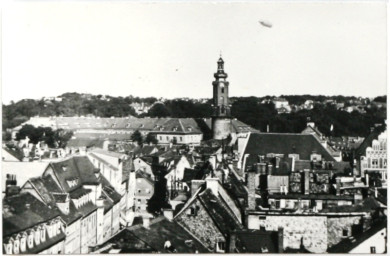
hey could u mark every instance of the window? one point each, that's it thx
(223, 89)
(345, 232)
(181, 138)
(30, 241)
(375, 163)
(160, 137)
(372, 249)
(16, 247)
(277, 204)
(220, 247)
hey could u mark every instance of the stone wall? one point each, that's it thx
(200, 225)
(309, 230)
(336, 226)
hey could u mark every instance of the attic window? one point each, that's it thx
(72, 183)
(264, 249)
(192, 211)
(190, 128)
(64, 168)
(220, 247)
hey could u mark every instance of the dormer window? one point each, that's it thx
(43, 234)
(9, 248)
(23, 243)
(30, 242)
(37, 236)
(220, 247)
(16, 246)
(72, 183)
(64, 168)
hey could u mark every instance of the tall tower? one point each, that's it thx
(221, 119)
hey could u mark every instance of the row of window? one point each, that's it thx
(33, 237)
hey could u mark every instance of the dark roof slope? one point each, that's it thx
(286, 143)
(218, 211)
(77, 168)
(367, 142)
(24, 211)
(256, 241)
(347, 245)
(161, 230)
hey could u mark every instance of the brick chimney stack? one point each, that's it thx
(251, 190)
(280, 240)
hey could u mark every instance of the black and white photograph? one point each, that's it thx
(194, 127)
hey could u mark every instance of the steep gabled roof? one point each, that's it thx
(162, 230)
(78, 169)
(347, 245)
(24, 211)
(256, 241)
(286, 143)
(219, 212)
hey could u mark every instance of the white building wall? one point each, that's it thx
(377, 241)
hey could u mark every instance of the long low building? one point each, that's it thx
(189, 131)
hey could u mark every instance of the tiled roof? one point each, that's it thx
(103, 161)
(84, 142)
(367, 142)
(77, 168)
(24, 211)
(218, 211)
(109, 190)
(286, 143)
(161, 230)
(45, 186)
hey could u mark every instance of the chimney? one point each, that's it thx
(232, 243)
(280, 240)
(195, 184)
(212, 183)
(277, 162)
(338, 186)
(306, 181)
(270, 169)
(168, 213)
(367, 179)
(146, 222)
(251, 190)
(358, 198)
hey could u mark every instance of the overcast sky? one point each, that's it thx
(170, 49)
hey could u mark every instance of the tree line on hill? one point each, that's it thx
(249, 110)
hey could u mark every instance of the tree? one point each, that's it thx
(151, 138)
(61, 137)
(7, 136)
(137, 137)
(158, 110)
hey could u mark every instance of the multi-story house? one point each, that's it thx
(31, 227)
(372, 159)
